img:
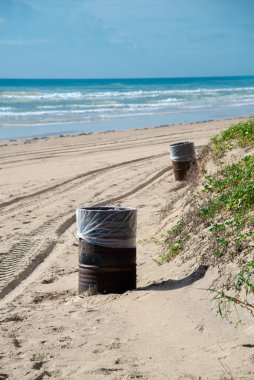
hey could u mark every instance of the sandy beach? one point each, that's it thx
(166, 329)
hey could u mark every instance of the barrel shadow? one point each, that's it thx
(177, 284)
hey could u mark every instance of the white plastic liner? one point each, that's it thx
(107, 226)
(182, 151)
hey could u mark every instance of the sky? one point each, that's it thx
(126, 38)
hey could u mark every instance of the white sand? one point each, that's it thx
(166, 329)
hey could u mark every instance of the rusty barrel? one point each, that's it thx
(183, 158)
(107, 249)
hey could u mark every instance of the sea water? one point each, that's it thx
(43, 107)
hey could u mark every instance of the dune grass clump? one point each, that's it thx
(174, 243)
(238, 135)
(244, 280)
(230, 206)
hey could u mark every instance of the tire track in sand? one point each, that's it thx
(77, 177)
(25, 255)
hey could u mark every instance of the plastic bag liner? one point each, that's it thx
(182, 151)
(107, 226)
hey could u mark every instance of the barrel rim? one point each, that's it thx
(181, 143)
(106, 208)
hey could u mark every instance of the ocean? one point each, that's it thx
(44, 107)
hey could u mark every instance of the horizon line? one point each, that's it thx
(126, 78)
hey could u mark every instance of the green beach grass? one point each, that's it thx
(224, 211)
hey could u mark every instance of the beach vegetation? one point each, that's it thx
(172, 250)
(155, 240)
(242, 286)
(219, 222)
(238, 135)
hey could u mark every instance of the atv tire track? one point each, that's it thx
(15, 265)
(77, 177)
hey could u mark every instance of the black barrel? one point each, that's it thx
(107, 249)
(183, 158)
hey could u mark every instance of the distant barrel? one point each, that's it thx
(183, 158)
(107, 249)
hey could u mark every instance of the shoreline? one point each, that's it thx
(48, 109)
(4, 142)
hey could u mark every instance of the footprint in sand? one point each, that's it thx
(49, 280)
(58, 296)
(37, 365)
(17, 342)
(112, 346)
(64, 342)
(43, 375)
(4, 376)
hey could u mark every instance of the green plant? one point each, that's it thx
(155, 240)
(244, 279)
(231, 199)
(176, 229)
(241, 134)
(172, 250)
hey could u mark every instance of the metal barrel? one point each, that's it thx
(183, 158)
(107, 249)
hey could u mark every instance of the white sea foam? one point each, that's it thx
(40, 96)
(132, 94)
(61, 105)
(5, 108)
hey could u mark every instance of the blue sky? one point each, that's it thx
(126, 38)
